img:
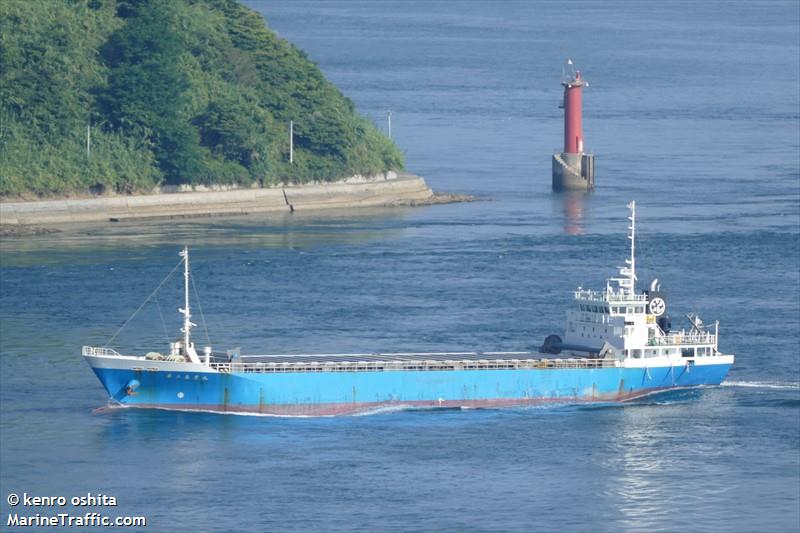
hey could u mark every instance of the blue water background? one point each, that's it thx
(693, 110)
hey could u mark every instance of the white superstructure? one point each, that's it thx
(631, 326)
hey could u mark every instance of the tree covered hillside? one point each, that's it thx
(176, 91)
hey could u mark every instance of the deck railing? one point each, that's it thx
(603, 296)
(686, 339)
(97, 351)
(388, 366)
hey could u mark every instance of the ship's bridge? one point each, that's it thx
(634, 324)
(609, 295)
(601, 317)
(628, 323)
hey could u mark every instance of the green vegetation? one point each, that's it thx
(176, 91)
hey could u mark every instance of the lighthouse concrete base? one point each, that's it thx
(573, 172)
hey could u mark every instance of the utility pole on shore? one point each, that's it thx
(291, 141)
(389, 120)
(89, 140)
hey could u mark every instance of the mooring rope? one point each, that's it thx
(163, 323)
(644, 256)
(200, 307)
(114, 336)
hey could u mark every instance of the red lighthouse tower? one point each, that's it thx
(573, 169)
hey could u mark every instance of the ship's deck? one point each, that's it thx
(381, 362)
(386, 357)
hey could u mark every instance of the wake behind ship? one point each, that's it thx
(618, 345)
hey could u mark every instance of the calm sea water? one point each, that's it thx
(693, 111)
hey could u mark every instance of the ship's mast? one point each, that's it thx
(632, 261)
(627, 279)
(187, 323)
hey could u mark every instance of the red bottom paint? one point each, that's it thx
(336, 409)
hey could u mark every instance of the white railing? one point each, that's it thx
(389, 366)
(684, 339)
(96, 351)
(603, 296)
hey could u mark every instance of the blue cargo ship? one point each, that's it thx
(618, 345)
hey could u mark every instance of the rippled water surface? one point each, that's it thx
(692, 111)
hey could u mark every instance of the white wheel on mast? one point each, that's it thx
(657, 306)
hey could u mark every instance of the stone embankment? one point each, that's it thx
(387, 190)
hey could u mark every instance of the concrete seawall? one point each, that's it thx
(405, 188)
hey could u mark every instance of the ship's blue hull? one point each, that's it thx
(329, 393)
